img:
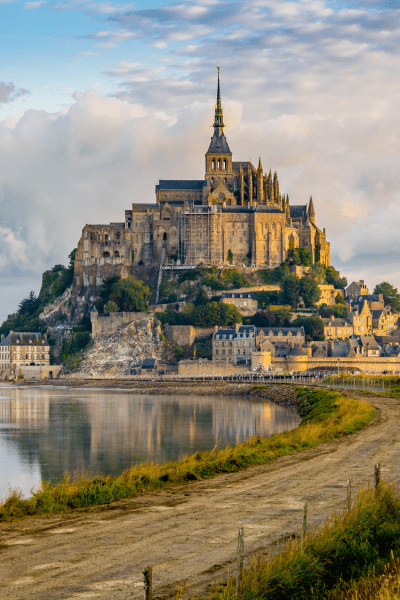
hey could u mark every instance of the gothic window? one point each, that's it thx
(213, 164)
(219, 164)
(225, 166)
(106, 237)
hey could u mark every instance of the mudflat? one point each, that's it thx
(189, 532)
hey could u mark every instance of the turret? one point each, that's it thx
(311, 211)
(250, 182)
(276, 187)
(260, 183)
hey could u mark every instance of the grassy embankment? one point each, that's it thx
(328, 415)
(388, 385)
(337, 562)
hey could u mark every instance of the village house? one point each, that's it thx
(245, 302)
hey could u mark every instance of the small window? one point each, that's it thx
(225, 167)
(106, 237)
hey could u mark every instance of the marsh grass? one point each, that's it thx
(350, 546)
(391, 383)
(328, 415)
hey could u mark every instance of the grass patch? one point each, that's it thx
(390, 384)
(327, 415)
(351, 545)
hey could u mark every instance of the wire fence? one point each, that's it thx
(230, 559)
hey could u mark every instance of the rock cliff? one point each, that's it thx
(120, 353)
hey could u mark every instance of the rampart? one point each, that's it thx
(103, 324)
(186, 335)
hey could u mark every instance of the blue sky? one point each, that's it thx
(99, 100)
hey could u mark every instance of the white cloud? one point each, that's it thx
(8, 93)
(33, 5)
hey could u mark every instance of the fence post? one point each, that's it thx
(377, 476)
(349, 494)
(148, 583)
(304, 527)
(239, 566)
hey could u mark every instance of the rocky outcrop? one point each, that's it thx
(58, 307)
(121, 352)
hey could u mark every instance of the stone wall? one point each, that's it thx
(102, 324)
(206, 367)
(369, 364)
(38, 372)
(186, 335)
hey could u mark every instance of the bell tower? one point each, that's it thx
(218, 156)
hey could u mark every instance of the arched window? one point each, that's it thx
(213, 164)
(165, 237)
(106, 237)
(225, 165)
(219, 164)
(116, 253)
(106, 254)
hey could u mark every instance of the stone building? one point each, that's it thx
(369, 315)
(245, 302)
(335, 328)
(235, 215)
(21, 349)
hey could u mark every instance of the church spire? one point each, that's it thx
(311, 210)
(218, 119)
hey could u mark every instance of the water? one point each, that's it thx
(45, 432)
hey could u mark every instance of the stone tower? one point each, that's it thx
(218, 156)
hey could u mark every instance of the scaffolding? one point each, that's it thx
(201, 236)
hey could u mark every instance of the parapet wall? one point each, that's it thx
(103, 324)
(205, 367)
(186, 335)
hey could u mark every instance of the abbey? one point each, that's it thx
(235, 215)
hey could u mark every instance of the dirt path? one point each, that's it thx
(190, 532)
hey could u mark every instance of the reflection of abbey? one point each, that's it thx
(235, 214)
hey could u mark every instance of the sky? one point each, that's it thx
(101, 99)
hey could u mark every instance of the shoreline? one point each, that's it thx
(284, 395)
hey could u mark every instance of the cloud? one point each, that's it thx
(33, 5)
(90, 7)
(8, 93)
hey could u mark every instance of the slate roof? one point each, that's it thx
(149, 363)
(244, 164)
(219, 144)
(238, 295)
(180, 184)
(23, 338)
(284, 330)
(298, 211)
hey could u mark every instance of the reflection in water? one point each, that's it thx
(45, 432)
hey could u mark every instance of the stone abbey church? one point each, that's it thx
(235, 215)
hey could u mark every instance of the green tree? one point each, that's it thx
(290, 289)
(110, 307)
(310, 291)
(264, 318)
(282, 272)
(390, 294)
(337, 310)
(318, 272)
(229, 315)
(313, 327)
(29, 305)
(339, 298)
(130, 294)
(333, 278)
(201, 298)
(230, 256)
(283, 316)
